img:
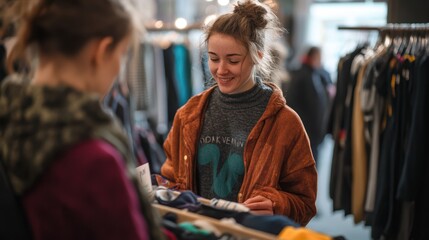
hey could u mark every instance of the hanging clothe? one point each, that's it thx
(378, 125)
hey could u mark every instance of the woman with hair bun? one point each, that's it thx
(238, 140)
(67, 159)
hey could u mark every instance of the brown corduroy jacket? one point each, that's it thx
(277, 157)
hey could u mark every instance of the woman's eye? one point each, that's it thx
(234, 61)
(214, 59)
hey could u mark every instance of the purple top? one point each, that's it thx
(85, 194)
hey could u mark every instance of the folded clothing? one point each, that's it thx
(220, 209)
(273, 224)
(185, 230)
(180, 200)
(228, 205)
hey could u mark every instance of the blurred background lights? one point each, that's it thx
(181, 23)
(223, 2)
(209, 19)
(159, 24)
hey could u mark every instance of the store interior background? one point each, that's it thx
(308, 22)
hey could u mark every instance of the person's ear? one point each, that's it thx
(102, 50)
(260, 54)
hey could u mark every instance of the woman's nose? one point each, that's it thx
(223, 68)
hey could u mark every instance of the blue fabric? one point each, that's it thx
(182, 73)
(273, 224)
(185, 200)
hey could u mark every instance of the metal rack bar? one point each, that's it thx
(391, 27)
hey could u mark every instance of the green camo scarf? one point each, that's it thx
(39, 122)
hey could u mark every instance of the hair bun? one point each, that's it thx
(253, 12)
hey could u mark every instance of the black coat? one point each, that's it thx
(307, 95)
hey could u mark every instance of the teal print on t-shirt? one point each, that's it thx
(225, 180)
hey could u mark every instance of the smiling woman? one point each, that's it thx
(271, 170)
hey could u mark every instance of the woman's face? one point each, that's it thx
(230, 64)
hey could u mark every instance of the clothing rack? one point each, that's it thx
(390, 28)
(224, 227)
(153, 28)
(393, 30)
(378, 118)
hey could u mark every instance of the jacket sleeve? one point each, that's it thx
(171, 148)
(295, 195)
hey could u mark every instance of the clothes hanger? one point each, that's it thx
(403, 43)
(410, 42)
(416, 44)
(397, 41)
(384, 41)
(425, 41)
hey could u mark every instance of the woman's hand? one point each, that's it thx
(260, 205)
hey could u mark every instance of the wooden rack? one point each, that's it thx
(234, 229)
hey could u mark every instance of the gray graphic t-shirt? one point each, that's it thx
(228, 121)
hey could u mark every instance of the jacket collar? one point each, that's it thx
(197, 104)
